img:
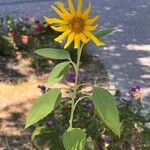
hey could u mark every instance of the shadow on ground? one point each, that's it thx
(12, 132)
(127, 52)
(7, 72)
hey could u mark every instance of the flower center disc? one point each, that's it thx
(77, 24)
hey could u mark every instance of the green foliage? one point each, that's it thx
(103, 32)
(74, 139)
(85, 57)
(26, 26)
(37, 41)
(94, 128)
(6, 48)
(43, 106)
(9, 23)
(53, 53)
(58, 73)
(105, 107)
(45, 38)
(37, 131)
(146, 138)
(50, 138)
(52, 135)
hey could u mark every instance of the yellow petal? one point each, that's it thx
(58, 12)
(72, 10)
(79, 7)
(90, 28)
(62, 8)
(87, 11)
(83, 38)
(54, 20)
(93, 38)
(77, 41)
(70, 39)
(62, 36)
(91, 20)
(59, 29)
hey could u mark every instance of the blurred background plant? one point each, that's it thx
(49, 132)
(24, 35)
(6, 45)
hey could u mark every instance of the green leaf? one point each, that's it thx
(37, 131)
(103, 33)
(74, 139)
(58, 73)
(43, 106)
(105, 106)
(53, 53)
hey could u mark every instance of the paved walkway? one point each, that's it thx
(127, 54)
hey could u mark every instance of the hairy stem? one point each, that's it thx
(74, 94)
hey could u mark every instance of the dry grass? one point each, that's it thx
(16, 93)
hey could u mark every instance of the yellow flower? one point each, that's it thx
(138, 95)
(76, 25)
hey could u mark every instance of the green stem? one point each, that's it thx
(79, 51)
(81, 98)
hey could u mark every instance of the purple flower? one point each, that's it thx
(131, 91)
(135, 92)
(50, 123)
(42, 88)
(71, 78)
(81, 78)
(89, 105)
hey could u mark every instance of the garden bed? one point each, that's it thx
(21, 73)
(22, 89)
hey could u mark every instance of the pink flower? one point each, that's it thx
(24, 39)
(136, 93)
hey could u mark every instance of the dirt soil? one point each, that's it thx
(18, 90)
